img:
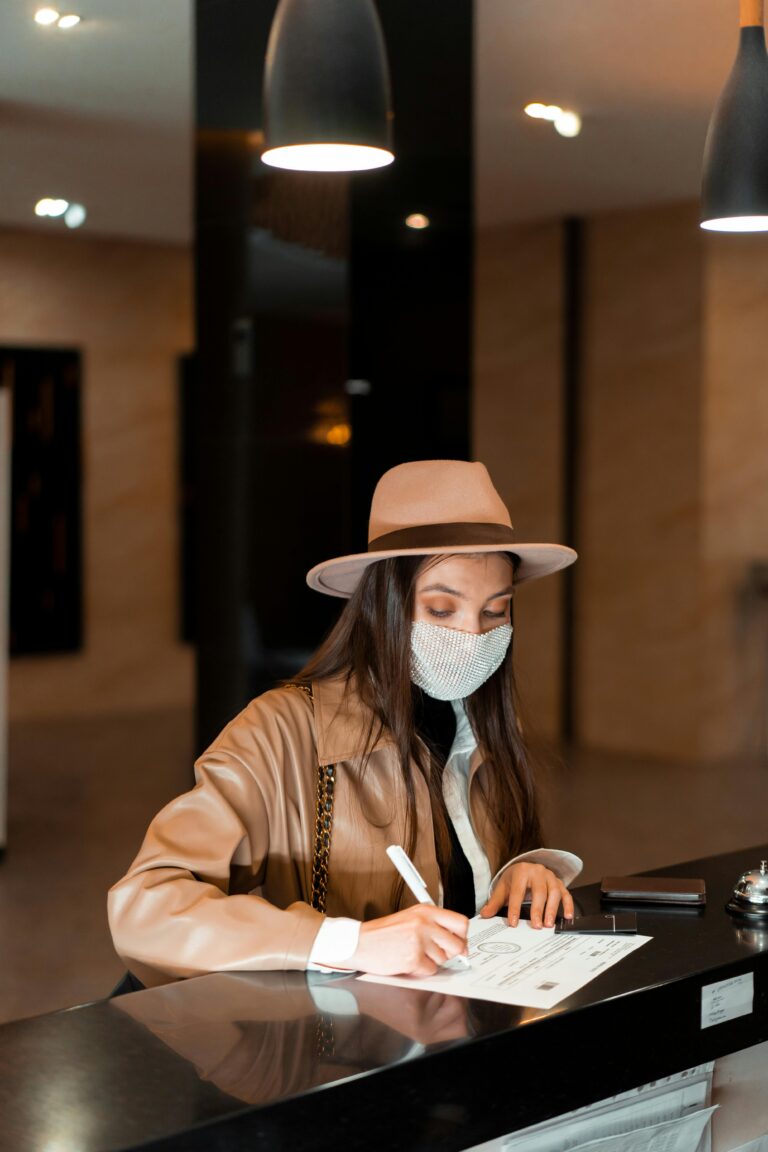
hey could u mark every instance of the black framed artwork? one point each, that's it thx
(46, 597)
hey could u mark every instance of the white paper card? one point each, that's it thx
(727, 999)
(759, 1145)
(669, 1099)
(536, 968)
(681, 1135)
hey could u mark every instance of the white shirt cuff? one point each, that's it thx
(336, 941)
(565, 865)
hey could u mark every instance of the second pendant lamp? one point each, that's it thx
(734, 195)
(326, 88)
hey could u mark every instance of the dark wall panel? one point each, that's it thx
(46, 596)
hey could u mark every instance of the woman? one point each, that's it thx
(401, 729)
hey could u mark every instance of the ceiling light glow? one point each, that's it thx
(75, 216)
(327, 157)
(737, 224)
(568, 124)
(537, 111)
(543, 111)
(51, 206)
(418, 221)
(71, 20)
(46, 16)
(565, 122)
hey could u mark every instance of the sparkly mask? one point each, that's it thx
(450, 665)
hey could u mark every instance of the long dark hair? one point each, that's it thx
(370, 644)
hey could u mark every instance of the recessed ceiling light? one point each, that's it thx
(46, 16)
(51, 206)
(75, 216)
(417, 220)
(568, 124)
(543, 111)
(71, 20)
(565, 122)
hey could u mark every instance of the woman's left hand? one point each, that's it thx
(547, 893)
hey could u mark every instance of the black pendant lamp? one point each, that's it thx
(734, 195)
(326, 88)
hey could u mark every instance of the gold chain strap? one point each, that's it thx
(326, 780)
(325, 1038)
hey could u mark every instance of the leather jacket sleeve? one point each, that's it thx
(191, 902)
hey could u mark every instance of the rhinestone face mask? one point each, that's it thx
(450, 665)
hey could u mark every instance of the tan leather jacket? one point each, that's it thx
(223, 879)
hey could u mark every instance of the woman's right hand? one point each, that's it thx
(414, 942)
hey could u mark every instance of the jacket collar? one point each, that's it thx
(342, 721)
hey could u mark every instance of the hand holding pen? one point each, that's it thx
(407, 870)
(416, 941)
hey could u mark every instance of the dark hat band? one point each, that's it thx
(457, 535)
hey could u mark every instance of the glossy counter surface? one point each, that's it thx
(280, 1060)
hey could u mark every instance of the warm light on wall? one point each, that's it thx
(418, 221)
(332, 425)
(338, 435)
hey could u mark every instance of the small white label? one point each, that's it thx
(727, 1000)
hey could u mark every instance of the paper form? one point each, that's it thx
(685, 1134)
(640, 1110)
(532, 968)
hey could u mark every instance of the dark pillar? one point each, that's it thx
(303, 282)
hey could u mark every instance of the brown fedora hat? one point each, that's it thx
(433, 506)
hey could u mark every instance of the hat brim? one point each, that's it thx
(340, 577)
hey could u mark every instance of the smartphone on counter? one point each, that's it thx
(603, 924)
(653, 890)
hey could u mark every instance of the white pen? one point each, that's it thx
(407, 870)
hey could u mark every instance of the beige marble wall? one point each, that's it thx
(128, 307)
(639, 606)
(734, 705)
(516, 428)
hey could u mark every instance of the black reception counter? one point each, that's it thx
(286, 1061)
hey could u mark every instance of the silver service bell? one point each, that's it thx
(750, 896)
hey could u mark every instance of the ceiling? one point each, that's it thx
(643, 74)
(102, 114)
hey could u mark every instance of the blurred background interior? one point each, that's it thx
(210, 366)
